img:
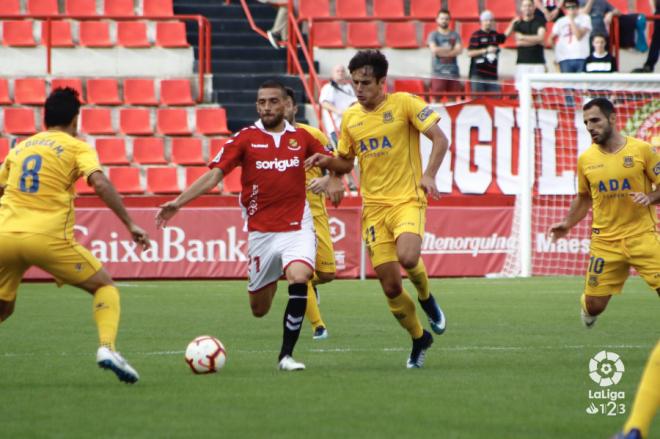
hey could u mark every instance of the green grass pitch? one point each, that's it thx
(512, 364)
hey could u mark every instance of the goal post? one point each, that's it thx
(551, 138)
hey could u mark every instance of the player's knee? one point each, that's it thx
(596, 305)
(258, 310)
(392, 289)
(409, 261)
(325, 277)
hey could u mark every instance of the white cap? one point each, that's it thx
(486, 15)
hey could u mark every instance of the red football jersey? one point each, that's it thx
(273, 174)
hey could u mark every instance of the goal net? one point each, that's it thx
(551, 124)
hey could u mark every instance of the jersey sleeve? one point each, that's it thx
(230, 156)
(345, 144)
(419, 113)
(582, 182)
(87, 160)
(4, 172)
(652, 164)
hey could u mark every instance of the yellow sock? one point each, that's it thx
(420, 279)
(315, 279)
(647, 400)
(403, 309)
(106, 314)
(312, 312)
(583, 303)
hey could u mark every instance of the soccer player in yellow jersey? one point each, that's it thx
(616, 176)
(36, 221)
(383, 131)
(317, 183)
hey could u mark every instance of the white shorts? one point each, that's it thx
(270, 253)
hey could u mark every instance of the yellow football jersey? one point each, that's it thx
(316, 201)
(386, 143)
(39, 176)
(610, 178)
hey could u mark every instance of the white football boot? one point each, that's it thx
(109, 359)
(587, 320)
(287, 363)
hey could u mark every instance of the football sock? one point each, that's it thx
(420, 279)
(403, 309)
(313, 313)
(293, 317)
(315, 279)
(106, 314)
(647, 400)
(583, 303)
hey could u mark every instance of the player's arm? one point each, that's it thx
(579, 208)
(438, 151)
(201, 186)
(107, 192)
(652, 171)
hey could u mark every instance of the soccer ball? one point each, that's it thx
(205, 354)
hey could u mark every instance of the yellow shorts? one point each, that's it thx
(610, 262)
(68, 261)
(382, 225)
(325, 252)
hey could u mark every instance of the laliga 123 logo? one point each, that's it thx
(606, 369)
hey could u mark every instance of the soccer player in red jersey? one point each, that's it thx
(281, 228)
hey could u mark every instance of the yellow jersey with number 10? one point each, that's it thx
(386, 143)
(316, 201)
(610, 178)
(39, 176)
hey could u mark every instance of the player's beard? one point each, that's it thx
(604, 137)
(275, 121)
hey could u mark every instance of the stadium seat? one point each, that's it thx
(96, 121)
(60, 32)
(162, 180)
(401, 35)
(176, 92)
(388, 8)
(118, 7)
(42, 7)
(95, 34)
(156, 8)
(10, 7)
(126, 180)
(140, 91)
(327, 34)
(351, 8)
(73, 83)
(231, 183)
(466, 31)
(466, 8)
(427, 28)
(194, 172)
(82, 188)
(212, 121)
(187, 151)
(80, 7)
(149, 151)
(111, 151)
(132, 34)
(4, 148)
(135, 121)
(425, 8)
(643, 7)
(622, 5)
(19, 121)
(171, 34)
(103, 91)
(500, 8)
(30, 91)
(215, 146)
(363, 34)
(314, 8)
(4, 92)
(172, 122)
(414, 86)
(18, 33)
(510, 41)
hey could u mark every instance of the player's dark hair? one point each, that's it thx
(292, 95)
(271, 83)
(61, 106)
(604, 105)
(373, 58)
(443, 11)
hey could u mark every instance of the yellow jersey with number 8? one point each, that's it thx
(386, 143)
(39, 176)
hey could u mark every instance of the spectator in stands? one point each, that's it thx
(548, 10)
(600, 60)
(445, 45)
(278, 32)
(571, 38)
(335, 97)
(652, 57)
(483, 52)
(529, 33)
(601, 13)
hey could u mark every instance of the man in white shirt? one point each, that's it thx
(571, 38)
(335, 97)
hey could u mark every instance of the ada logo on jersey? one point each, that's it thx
(628, 162)
(280, 165)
